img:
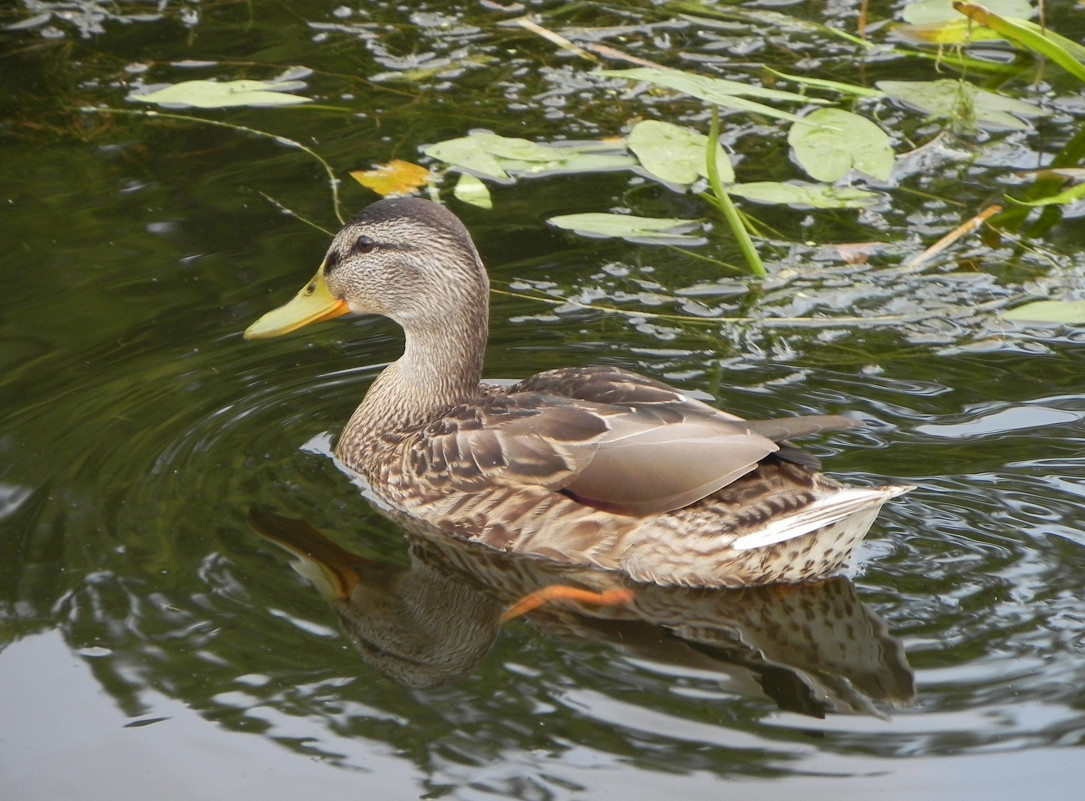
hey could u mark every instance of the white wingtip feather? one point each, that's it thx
(823, 512)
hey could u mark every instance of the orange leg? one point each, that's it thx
(563, 592)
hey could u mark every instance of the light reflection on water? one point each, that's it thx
(154, 644)
(976, 574)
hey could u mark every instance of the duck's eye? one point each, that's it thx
(363, 244)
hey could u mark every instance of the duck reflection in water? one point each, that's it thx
(812, 648)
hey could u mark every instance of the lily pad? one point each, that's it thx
(1068, 312)
(961, 101)
(728, 94)
(644, 230)
(938, 22)
(831, 142)
(470, 154)
(803, 195)
(489, 155)
(931, 12)
(676, 154)
(1067, 53)
(225, 94)
(471, 190)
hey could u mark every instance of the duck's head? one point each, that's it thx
(405, 258)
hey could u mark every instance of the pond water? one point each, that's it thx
(152, 641)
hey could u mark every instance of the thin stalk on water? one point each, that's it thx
(722, 201)
(333, 182)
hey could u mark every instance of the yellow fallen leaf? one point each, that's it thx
(397, 177)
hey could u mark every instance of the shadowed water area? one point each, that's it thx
(159, 475)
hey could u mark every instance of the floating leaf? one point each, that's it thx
(468, 153)
(675, 154)
(1064, 52)
(1069, 312)
(497, 157)
(950, 32)
(567, 159)
(795, 193)
(510, 147)
(930, 12)
(225, 94)
(715, 90)
(937, 22)
(397, 177)
(645, 230)
(831, 142)
(962, 102)
(471, 190)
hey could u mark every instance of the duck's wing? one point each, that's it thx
(648, 462)
(624, 459)
(617, 387)
(610, 439)
(614, 386)
(507, 440)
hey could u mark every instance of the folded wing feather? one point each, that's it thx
(611, 439)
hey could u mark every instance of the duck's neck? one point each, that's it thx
(440, 367)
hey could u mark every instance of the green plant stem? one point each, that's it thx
(333, 182)
(722, 201)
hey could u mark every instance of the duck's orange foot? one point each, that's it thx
(563, 592)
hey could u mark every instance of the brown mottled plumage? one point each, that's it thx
(590, 465)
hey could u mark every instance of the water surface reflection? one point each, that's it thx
(811, 648)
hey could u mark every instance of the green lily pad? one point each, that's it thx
(1068, 312)
(963, 102)
(676, 154)
(471, 190)
(568, 160)
(644, 230)
(728, 94)
(500, 158)
(831, 142)
(225, 94)
(1030, 36)
(929, 12)
(815, 196)
(470, 153)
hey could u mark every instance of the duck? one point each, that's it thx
(595, 466)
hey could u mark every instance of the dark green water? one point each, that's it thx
(153, 643)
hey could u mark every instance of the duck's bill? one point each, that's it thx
(312, 305)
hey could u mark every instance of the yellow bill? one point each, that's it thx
(312, 305)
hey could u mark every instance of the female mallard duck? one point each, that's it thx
(591, 465)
